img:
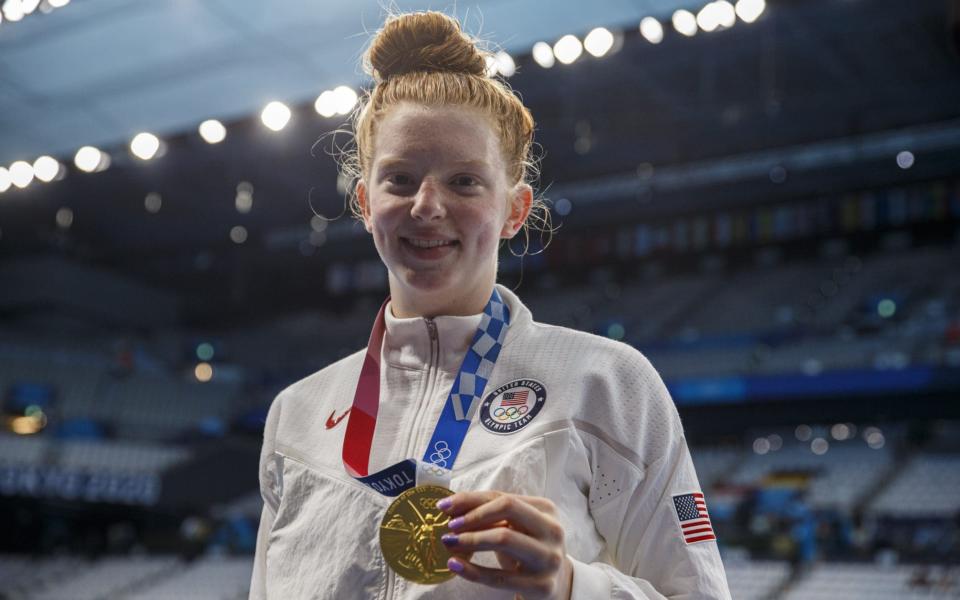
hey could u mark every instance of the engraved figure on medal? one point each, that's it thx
(422, 545)
(410, 535)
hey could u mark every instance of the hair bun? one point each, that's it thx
(424, 41)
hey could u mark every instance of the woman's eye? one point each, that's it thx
(399, 179)
(464, 181)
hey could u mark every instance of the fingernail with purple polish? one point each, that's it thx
(445, 503)
(455, 565)
(455, 523)
(449, 539)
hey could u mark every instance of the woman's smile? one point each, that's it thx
(429, 249)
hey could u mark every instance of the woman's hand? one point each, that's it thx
(524, 532)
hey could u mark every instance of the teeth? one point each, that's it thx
(429, 243)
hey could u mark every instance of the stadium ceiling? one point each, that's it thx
(99, 71)
(815, 97)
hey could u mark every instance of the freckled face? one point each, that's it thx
(437, 202)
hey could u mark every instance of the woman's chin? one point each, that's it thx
(428, 282)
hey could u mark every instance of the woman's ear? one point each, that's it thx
(364, 203)
(521, 201)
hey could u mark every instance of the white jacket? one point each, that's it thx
(606, 445)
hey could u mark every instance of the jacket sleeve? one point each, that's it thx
(271, 490)
(641, 464)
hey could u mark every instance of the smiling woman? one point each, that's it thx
(438, 202)
(572, 478)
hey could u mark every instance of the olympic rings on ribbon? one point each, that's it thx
(432, 469)
(441, 454)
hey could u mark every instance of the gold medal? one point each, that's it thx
(410, 535)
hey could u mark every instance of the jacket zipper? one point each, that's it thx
(425, 401)
(412, 442)
(391, 577)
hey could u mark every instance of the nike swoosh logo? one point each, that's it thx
(331, 422)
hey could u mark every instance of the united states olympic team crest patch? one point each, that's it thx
(512, 406)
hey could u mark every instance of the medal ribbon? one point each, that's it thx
(451, 429)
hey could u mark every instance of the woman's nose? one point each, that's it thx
(427, 203)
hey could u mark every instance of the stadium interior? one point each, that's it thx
(768, 209)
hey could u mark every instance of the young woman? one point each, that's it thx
(567, 456)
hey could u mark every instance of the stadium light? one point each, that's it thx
(212, 131)
(726, 14)
(145, 145)
(491, 63)
(12, 10)
(707, 18)
(5, 180)
(874, 438)
(64, 218)
(761, 445)
(716, 15)
(203, 372)
(840, 431)
(275, 115)
(598, 42)
(244, 199)
(344, 99)
(205, 351)
(776, 442)
(238, 234)
(325, 104)
(886, 308)
(651, 30)
(505, 64)
(500, 63)
(750, 10)
(819, 446)
(568, 49)
(685, 23)
(543, 55)
(46, 168)
(21, 173)
(16, 10)
(89, 159)
(905, 159)
(153, 202)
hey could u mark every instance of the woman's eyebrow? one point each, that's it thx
(391, 161)
(470, 164)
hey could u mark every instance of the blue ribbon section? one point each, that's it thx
(468, 387)
(393, 480)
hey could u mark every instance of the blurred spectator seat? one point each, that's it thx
(874, 582)
(755, 580)
(928, 486)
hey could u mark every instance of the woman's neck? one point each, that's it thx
(405, 305)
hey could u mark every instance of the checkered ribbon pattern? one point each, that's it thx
(462, 403)
(480, 358)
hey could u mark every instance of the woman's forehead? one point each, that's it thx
(455, 133)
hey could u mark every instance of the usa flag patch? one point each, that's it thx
(694, 520)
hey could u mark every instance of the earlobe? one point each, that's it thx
(521, 201)
(363, 202)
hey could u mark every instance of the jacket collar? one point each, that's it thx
(407, 342)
